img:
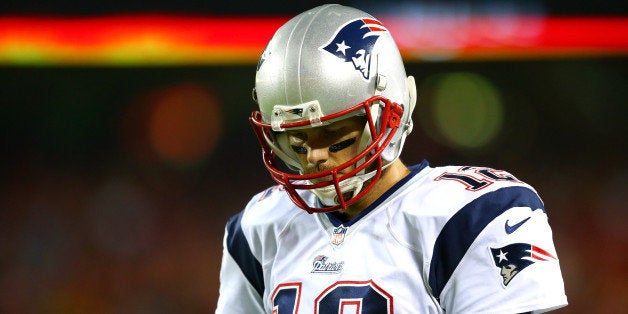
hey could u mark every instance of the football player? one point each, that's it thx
(349, 228)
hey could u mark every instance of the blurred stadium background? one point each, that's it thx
(126, 144)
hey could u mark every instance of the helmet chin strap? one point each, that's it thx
(328, 197)
(327, 194)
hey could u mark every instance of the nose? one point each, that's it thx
(317, 156)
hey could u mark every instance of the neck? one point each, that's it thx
(391, 175)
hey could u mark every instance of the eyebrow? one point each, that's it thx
(334, 130)
(325, 129)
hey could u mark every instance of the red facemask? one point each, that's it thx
(381, 131)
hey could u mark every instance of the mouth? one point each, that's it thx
(328, 178)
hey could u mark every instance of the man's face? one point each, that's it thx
(323, 148)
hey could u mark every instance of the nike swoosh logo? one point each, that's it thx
(513, 228)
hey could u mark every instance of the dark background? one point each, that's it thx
(101, 211)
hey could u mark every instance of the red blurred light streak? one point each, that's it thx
(180, 40)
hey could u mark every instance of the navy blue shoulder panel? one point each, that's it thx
(239, 249)
(464, 227)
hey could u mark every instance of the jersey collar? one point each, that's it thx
(334, 217)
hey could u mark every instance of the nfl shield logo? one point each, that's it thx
(339, 235)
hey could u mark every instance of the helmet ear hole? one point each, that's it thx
(381, 83)
(254, 95)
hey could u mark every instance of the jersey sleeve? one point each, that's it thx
(241, 278)
(497, 255)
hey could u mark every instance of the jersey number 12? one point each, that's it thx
(475, 178)
(341, 297)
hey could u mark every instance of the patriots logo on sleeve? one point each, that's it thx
(354, 41)
(513, 258)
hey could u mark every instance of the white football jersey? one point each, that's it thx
(445, 239)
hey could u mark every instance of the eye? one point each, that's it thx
(299, 149)
(342, 145)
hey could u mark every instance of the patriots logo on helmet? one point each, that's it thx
(514, 258)
(354, 42)
(263, 58)
(296, 111)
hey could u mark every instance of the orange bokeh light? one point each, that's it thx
(184, 123)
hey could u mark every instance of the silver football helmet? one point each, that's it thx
(326, 64)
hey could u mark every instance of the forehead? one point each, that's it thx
(345, 125)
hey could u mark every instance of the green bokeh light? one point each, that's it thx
(467, 110)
